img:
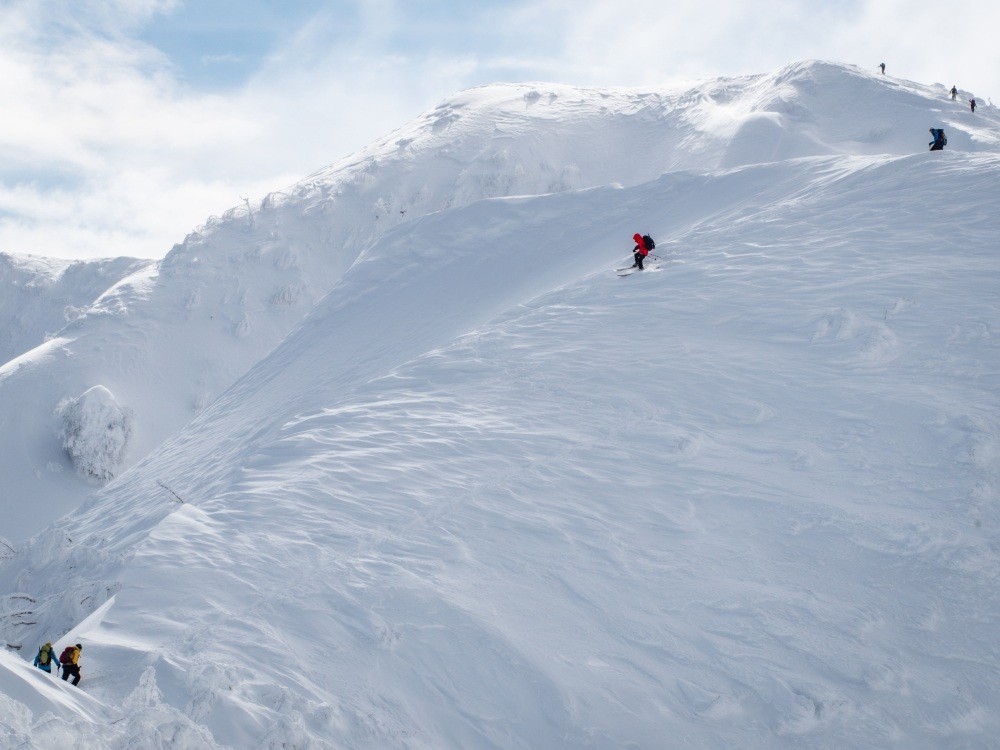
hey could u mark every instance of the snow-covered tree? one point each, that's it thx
(95, 431)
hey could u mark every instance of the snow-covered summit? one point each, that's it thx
(451, 483)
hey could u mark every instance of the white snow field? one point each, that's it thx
(441, 479)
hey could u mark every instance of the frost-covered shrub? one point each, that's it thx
(95, 431)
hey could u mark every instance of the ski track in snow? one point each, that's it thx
(488, 494)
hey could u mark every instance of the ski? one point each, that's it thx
(629, 270)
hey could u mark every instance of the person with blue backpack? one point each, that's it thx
(939, 141)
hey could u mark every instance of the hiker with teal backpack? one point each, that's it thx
(939, 141)
(45, 658)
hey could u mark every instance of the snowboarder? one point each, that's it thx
(640, 251)
(954, 93)
(939, 140)
(69, 659)
(882, 65)
(44, 658)
(972, 104)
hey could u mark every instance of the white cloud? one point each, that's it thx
(110, 154)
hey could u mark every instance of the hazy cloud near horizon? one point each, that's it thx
(128, 122)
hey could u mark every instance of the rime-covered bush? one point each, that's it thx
(95, 432)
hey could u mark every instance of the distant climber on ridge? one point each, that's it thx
(882, 65)
(939, 141)
(954, 93)
(972, 104)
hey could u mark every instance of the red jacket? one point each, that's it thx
(640, 244)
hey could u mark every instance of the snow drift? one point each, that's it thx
(483, 493)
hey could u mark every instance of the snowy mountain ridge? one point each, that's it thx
(479, 492)
(233, 289)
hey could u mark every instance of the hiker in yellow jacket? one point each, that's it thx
(70, 658)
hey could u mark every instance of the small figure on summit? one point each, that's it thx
(939, 141)
(882, 65)
(972, 104)
(954, 93)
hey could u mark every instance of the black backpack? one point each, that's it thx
(649, 242)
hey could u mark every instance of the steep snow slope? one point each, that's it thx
(170, 339)
(39, 295)
(488, 494)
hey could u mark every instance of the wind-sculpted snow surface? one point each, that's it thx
(488, 494)
(168, 340)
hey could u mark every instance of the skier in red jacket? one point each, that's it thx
(641, 251)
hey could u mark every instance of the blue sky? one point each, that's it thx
(128, 122)
(218, 45)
